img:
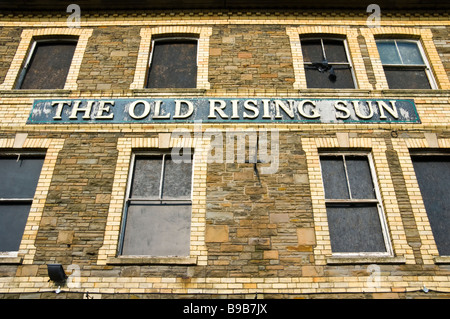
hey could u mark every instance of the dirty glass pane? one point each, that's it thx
(360, 178)
(146, 177)
(388, 52)
(433, 176)
(312, 51)
(19, 175)
(334, 180)
(355, 229)
(49, 65)
(409, 52)
(335, 50)
(13, 218)
(177, 179)
(407, 78)
(173, 64)
(328, 75)
(317, 79)
(157, 230)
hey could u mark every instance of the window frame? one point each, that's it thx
(24, 69)
(347, 54)
(128, 200)
(21, 200)
(413, 153)
(378, 201)
(172, 38)
(201, 33)
(426, 66)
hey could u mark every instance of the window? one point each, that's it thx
(47, 65)
(20, 175)
(404, 64)
(327, 63)
(355, 216)
(173, 63)
(158, 207)
(433, 176)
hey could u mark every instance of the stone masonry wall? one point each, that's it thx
(73, 222)
(260, 229)
(243, 55)
(110, 60)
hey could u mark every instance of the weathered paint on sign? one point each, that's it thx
(223, 110)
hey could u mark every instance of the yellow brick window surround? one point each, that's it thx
(27, 37)
(425, 37)
(147, 34)
(108, 253)
(402, 252)
(350, 35)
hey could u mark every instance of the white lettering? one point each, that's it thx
(287, 109)
(181, 154)
(76, 108)
(73, 21)
(215, 151)
(266, 114)
(356, 105)
(103, 108)
(263, 155)
(250, 105)
(211, 310)
(132, 106)
(219, 109)
(235, 114)
(59, 108)
(301, 110)
(240, 137)
(249, 110)
(342, 106)
(373, 20)
(178, 114)
(158, 111)
(391, 110)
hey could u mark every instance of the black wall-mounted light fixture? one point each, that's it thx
(56, 273)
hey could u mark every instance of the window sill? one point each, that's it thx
(169, 92)
(34, 93)
(333, 92)
(421, 92)
(365, 92)
(365, 260)
(10, 260)
(442, 260)
(144, 260)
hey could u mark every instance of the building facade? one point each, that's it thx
(231, 152)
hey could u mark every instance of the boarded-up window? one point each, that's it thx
(327, 64)
(173, 64)
(433, 176)
(405, 65)
(47, 65)
(355, 218)
(20, 175)
(158, 213)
